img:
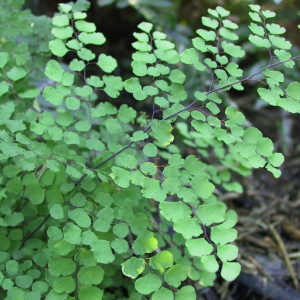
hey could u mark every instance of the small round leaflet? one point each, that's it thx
(90, 275)
(148, 284)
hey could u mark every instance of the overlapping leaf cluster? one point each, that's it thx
(86, 206)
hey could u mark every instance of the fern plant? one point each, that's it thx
(98, 201)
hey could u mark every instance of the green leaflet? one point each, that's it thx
(233, 50)
(64, 285)
(161, 261)
(145, 26)
(54, 71)
(133, 267)
(227, 252)
(202, 187)
(145, 243)
(210, 263)
(207, 278)
(102, 251)
(90, 292)
(60, 266)
(119, 245)
(139, 223)
(230, 270)
(95, 38)
(186, 292)
(259, 42)
(162, 132)
(163, 293)
(106, 63)
(148, 284)
(16, 73)
(60, 20)
(223, 233)
(199, 247)
(84, 26)
(58, 48)
(188, 227)
(174, 210)
(175, 275)
(150, 150)
(211, 213)
(84, 169)
(152, 189)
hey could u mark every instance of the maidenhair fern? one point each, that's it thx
(87, 211)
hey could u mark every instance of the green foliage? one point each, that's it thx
(91, 192)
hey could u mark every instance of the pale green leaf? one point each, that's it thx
(58, 48)
(230, 270)
(186, 292)
(62, 33)
(163, 293)
(233, 50)
(16, 73)
(275, 29)
(175, 275)
(255, 17)
(207, 35)
(4, 88)
(60, 20)
(152, 190)
(133, 267)
(148, 284)
(229, 24)
(145, 243)
(259, 42)
(162, 132)
(211, 213)
(254, 7)
(189, 56)
(95, 38)
(161, 261)
(280, 42)
(84, 26)
(227, 252)
(86, 54)
(188, 227)
(174, 210)
(256, 29)
(107, 63)
(102, 251)
(268, 14)
(91, 275)
(89, 292)
(208, 22)
(265, 147)
(145, 26)
(276, 159)
(222, 12)
(223, 233)
(210, 263)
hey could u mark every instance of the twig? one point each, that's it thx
(285, 255)
(34, 231)
(258, 242)
(257, 265)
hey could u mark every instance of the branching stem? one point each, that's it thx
(148, 127)
(188, 107)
